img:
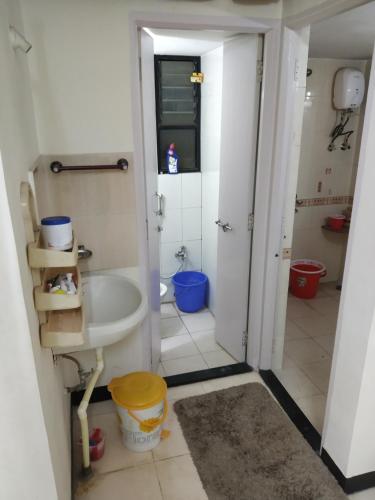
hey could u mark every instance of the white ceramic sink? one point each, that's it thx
(114, 306)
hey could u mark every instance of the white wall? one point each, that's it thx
(334, 170)
(80, 67)
(349, 432)
(212, 67)
(182, 224)
(35, 458)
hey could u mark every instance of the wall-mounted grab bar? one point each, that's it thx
(57, 167)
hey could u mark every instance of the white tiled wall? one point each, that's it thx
(333, 169)
(181, 222)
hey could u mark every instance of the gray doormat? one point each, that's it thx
(245, 448)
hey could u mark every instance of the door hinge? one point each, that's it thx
(147, 229)
(259, 70)
(250, 222)
(245, 336)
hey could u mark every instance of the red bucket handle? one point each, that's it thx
(323, 273)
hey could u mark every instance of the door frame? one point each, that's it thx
(271, 29)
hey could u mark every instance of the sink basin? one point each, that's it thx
(114, 306)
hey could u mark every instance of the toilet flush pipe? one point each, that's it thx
(82, 412)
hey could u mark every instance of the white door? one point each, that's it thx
(240, 101)
(151, 172)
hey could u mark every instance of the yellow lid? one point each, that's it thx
(138, 390)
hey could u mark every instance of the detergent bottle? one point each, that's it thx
(172, 160)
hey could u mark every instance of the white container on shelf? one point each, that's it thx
(57, 232)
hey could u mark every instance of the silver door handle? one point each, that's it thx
(159, 209)
(224, 226)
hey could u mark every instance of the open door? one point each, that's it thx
(240, 102)
(151, 172)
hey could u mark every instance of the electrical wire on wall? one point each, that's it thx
(342, 117)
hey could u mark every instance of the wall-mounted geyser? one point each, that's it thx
(18, 41)
(348, 93)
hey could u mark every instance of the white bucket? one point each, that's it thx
(132, 436)
(141, 401)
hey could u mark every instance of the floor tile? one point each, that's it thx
(116, 456)
(297, 383)
(318, 325)
(324, 305)
(327, 342)
(205, 341)
(304, 351)
(184, 365)
(363, 495)
(298, 309)
(218, 358)
(199, 321)
(174, 445)
(179, 346)
(330, 289)
(168, 310)
(319, 373)
(101, 408)
(179, 479)
(185, 391)
(172, 326)
(314, 408)
(293, 331)
(136, 483)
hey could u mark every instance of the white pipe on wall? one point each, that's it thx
(82, 411)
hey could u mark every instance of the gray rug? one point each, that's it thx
(246, 448)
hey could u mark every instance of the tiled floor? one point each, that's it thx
(308, 348)
(165, 473)
(188, 342)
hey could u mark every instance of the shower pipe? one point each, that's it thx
(82, 413)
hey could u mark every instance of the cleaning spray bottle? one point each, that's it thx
(172, 160)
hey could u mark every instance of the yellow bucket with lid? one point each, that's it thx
(141, 401)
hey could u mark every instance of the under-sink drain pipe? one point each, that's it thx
(82, 413)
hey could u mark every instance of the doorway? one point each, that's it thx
(320, 190)
(202, 212)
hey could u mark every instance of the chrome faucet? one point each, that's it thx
(84, 253)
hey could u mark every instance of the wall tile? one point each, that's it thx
(172, 226)
(168, 262)
(194, 260)
(101, 205)
(191, 190)
(192, 223)
(170, 187)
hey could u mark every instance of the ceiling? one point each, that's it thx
(349, 35)
(187, 42)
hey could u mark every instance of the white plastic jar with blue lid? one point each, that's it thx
(57, 232)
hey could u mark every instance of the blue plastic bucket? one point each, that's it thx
(190, 289)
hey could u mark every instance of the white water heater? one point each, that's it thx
(349, 88)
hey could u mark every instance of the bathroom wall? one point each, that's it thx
(101, 205)
(81, 66)
(182, 224)
(212, 67)
(35, 442)
(334, 170)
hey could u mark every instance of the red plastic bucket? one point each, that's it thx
(304, 277)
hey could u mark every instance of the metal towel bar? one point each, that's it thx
(57, 167)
